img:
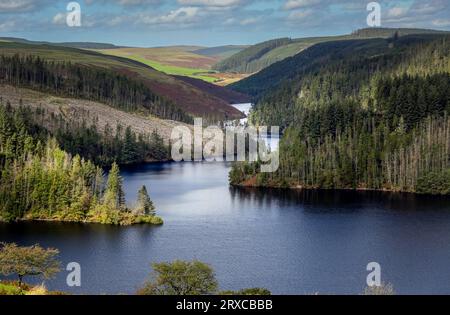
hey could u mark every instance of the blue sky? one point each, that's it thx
(148, 23)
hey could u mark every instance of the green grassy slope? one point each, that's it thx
(278, 87)
(170, 60)
(260, 56)
(168, 69)
(221, 51)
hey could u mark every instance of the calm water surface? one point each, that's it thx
(287, 241)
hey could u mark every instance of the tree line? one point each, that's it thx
(87, 82)
(364, 121)
(40, 181)
(81, 136)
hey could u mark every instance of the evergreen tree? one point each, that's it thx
(144, 204)
(114, 195)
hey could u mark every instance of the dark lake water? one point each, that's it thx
(290, 242)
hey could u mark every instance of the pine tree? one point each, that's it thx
(144, 204)
(114, 195)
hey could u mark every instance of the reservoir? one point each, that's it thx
(290, 242)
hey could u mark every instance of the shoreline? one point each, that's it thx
(249, 183)
(139, 220)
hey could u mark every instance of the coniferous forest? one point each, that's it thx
(87, 82)
(371, 118)
(40, 181)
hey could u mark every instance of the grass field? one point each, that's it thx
(168, 69)
(177, 60)
(170, 60)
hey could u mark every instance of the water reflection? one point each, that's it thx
(289, 241)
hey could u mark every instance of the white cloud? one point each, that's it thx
(126, 2)
(297, 4)
(300, 16)
(249, 21)
(7, 26)
(16, 5)
(441, 22)
(397, 12)
(181, 15)
(59, 18)
(211, 3)
(429, 7)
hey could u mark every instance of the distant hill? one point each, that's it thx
(81, 45)
(189, 61)
(389, 32)
(221, 51)
(224, 93)
(174, 60)
(262, 55)
(360, 114)
(163, 91)
(349, 64)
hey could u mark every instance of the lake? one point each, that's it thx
(291, 242)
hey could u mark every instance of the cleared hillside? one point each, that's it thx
(73, 110)
(169, 89)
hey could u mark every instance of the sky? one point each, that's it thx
(150, 23)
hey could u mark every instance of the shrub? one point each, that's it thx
(10, 289)
(435, 183)
(383, 289)
(181, 278)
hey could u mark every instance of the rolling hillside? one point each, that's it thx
(190, 61)
(367, 114)
(221, 52)
(168, 89)
(262, 55)
(170, 60)
(80, 45)
(76, 111)
(311, 59)
(224, 93)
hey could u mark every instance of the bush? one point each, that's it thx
(383, 289)
(10, 289)
(434, 183)
(37, 290)
(147, 219)
(181, 278)
(250, 291)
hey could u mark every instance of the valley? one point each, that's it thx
(86, 161)
(193, 62)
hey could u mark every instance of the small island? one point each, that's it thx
(41, 182)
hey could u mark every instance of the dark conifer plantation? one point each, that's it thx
(371, 119)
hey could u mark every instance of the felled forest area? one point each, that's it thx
(87, 82)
